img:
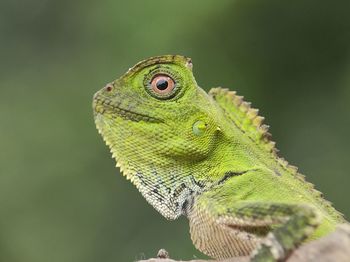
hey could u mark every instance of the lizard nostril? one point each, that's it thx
(109, 88)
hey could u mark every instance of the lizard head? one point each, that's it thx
(159, 125)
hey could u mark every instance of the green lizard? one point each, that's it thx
(210, 158)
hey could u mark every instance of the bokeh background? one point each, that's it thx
(62, 199)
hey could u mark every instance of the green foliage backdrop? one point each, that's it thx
(62, 199)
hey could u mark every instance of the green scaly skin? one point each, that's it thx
(208, 157)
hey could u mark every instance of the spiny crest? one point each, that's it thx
(251, 123)
(244, 116)
(247, 118)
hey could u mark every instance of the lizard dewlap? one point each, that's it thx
(209, 157)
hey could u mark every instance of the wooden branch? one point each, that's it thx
(334, 247)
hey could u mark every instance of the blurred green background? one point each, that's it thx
(62, 199)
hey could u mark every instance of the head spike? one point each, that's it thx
(252, 113)
(244, 107)
(258, 121)
(265, 129)
(237, 100)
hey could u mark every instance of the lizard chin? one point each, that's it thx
(163, 189)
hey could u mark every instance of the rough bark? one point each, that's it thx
(334, 247)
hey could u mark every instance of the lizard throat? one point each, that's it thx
(107, 108)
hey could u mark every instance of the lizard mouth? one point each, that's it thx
(106, 107)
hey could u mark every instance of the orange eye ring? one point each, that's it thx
(162, 84)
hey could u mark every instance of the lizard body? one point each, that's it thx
(210, 158)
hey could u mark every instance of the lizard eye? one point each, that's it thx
(162, 85)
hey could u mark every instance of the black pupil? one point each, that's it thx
(162, 84)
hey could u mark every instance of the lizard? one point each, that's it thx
(209, 157)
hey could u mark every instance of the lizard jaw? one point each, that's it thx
(103, 106)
